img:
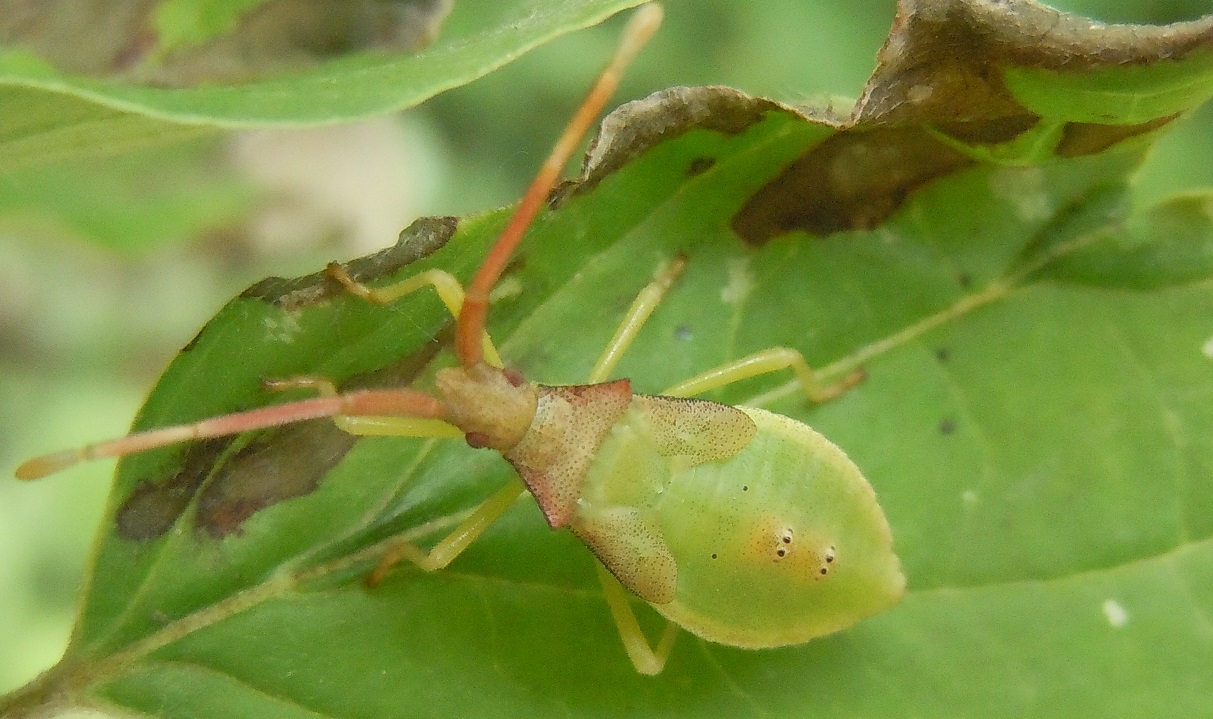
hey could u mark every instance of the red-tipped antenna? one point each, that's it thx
(470, 326)
(367, 403)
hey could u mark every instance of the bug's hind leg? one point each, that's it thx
(444, 283)
(451, 546)
(647, 660)
(764, 362)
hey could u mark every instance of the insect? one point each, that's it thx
(739, 525)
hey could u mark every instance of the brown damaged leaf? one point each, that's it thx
(154, 507)
(417, 241)
(943, 62)
(851, 181)
(281, 465)
(291, 461)
(939, 77)
(854, 179)
(288, 462)
(637, 126)
(119, 37)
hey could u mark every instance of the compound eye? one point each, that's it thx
(514, 376)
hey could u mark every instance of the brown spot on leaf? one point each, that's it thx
(291, 461)
(1085, 138)
(281, 464)
(701, 165)
(154, 507)
(420, 239)
(284, 463)
(853, 180)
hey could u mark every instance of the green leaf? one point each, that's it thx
(49, 115)
(1170, 244)
(192, 22)
(1037, 422)
(998, 403)
(1120, 94)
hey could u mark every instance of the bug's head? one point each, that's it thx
(493, 407)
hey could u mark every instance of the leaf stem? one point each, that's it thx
(61, 687)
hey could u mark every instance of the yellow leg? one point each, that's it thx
(637, 315)
(647, 660)
(448, 288)
(368, 426)
(445, 551)
(769, 360)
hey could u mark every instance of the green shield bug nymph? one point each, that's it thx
(742, 526)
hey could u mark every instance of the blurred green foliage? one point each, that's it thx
(84, 330)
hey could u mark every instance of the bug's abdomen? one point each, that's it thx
(777, 543)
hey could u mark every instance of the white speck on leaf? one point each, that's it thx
(969, 497)
(740, 284)
(282, 328)
(1024, 189)
(887, 236)
(1116, 614)
(1207, 348)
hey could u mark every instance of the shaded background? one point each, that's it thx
(86, 327)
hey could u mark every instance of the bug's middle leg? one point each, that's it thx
(637, 315)
(644, 658)
(769, 360)
(451, 546)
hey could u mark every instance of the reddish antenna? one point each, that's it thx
(470, 326)
(404, 402)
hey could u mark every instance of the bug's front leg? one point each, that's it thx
(444, 283)
(367, 425)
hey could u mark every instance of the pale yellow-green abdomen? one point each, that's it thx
(779, 543)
